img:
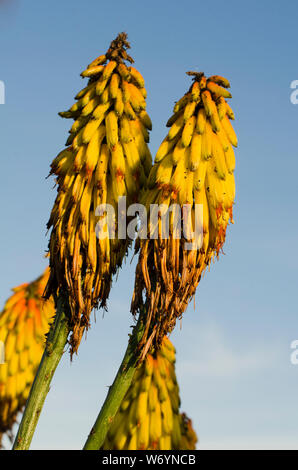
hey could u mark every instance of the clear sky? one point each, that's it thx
(233, 352)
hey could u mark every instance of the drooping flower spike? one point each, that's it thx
(149, 416)
(24, 323)
(107, 157)
(194, 170)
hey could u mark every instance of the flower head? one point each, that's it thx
(194, 174)
(107, 157)
(24, 323)
(149, 417)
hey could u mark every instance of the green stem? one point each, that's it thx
(56, 341)
(117, 390)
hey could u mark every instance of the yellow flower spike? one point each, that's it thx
(24, 322)
(107, 158)
(193, 165)
(144, 421)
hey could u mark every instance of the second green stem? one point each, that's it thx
(117, 390)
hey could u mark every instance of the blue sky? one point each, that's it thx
(233, 351)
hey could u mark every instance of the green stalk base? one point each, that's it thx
(117, 391)
(56, 341)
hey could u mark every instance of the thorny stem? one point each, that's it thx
(56, 341)
(117, 390)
